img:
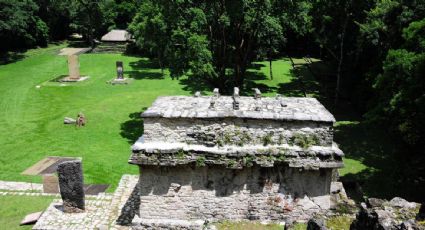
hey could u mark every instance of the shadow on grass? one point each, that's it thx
(11, 57)
(251, 76)
(132, 129)
(142, 69)
(391, 168)
(193, 84)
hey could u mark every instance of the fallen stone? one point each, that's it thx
(68, 120)
(401, 203)
(71, 186)
(375, 202)
(31, 218)
(386, 215)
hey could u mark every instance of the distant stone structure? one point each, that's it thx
(233, 157)
(71, 186)
(115, 41)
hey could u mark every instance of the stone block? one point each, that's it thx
(50, 183)
(71, 186)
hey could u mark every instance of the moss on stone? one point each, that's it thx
(303, 140)
(200, 161)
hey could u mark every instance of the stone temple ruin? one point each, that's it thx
(233, 157)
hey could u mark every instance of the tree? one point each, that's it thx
(150, 30)
(20, 27)
(401, 86)
(214, 40)
(336, 30)
(270, 39)
(88, 18)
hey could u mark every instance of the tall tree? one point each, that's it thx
(88, 18)
(20, 27)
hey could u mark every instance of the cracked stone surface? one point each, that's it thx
(280, 108)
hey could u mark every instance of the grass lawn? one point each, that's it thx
(14, 208)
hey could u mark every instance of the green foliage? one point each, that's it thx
(339, 222)
(200, 161)
(181, 154)
(20, 27)
(231, 163)
(267, 139)
(212, 40)
(248, 160)
(246, 225)
(303, 140)
(401, 100)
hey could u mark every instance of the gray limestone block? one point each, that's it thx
(71, 182)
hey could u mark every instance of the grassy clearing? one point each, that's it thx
(14, 208)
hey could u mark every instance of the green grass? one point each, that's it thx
(339, 223)
(14, 208)
(245, 225)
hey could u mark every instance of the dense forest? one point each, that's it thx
(375, 47)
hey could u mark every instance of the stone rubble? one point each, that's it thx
(395, 214)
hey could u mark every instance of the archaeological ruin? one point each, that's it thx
(204, 159)
(233, 157)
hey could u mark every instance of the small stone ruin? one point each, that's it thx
(212, 158)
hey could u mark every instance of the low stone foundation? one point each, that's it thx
(217, 193)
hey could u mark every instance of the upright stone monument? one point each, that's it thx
(120, 70)
(119, 79)
(71, 186)
(236, 158)
(73, 67)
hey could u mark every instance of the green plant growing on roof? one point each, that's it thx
(220, 143)
(200, 161)
(303, 140)
(248, 160)
(231, 163)
(181, 154)
(267, 139)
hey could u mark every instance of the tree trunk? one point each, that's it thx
(341, 54)
(160, 63)
(271, 68)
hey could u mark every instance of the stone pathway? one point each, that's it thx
(20, 186)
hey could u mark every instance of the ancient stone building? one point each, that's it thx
(234, 157)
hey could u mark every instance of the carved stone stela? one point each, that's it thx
(73, 67)
(71, 186)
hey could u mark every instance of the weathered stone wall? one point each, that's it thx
(215, 193)
(237, 131)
